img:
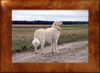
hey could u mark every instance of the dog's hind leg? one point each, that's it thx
(35, 43)
(42, 47)
(35, 50)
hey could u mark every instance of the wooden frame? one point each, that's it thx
(6, 32)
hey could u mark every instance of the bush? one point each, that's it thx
(25, 45)
(22, 37)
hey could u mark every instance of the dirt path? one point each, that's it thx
(75, 52)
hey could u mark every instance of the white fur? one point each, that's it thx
(50, 35)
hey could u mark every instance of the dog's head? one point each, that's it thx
(57, 24)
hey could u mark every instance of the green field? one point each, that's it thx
(22, 35)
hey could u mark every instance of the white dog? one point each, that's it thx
(50, 35)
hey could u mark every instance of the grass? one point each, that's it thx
(23, 36)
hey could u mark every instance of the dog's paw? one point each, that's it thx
(43, 52)
(53, 51)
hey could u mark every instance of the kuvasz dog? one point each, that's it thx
(50, 35)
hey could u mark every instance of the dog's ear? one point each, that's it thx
(54, 23)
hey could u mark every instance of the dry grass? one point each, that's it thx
(22, 36)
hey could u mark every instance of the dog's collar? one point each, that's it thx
(58, 29)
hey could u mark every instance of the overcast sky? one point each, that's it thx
(50, 15)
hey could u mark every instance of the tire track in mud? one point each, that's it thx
(74, 52)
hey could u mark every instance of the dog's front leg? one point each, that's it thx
(52, 47)
(55, 44)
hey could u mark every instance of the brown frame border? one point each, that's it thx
(6, 31)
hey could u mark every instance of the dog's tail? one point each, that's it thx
(36, 43)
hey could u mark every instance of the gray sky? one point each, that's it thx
(50, 15)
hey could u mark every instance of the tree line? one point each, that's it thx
(48, 22)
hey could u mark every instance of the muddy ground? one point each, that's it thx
(74, 52)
